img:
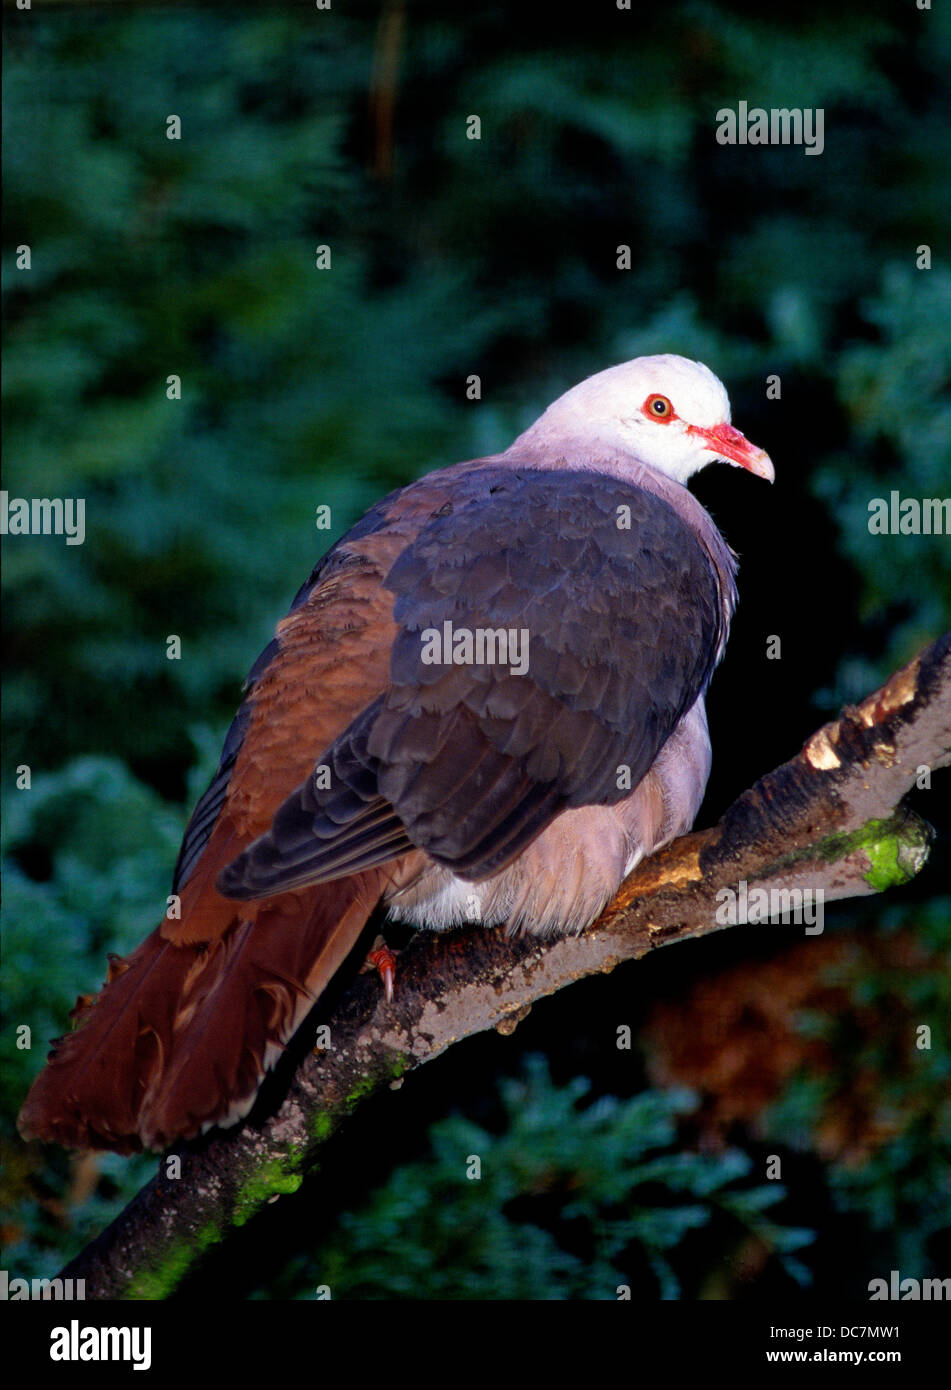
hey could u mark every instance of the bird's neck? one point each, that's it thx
(550, 449)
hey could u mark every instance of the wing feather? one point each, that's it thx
(469, 762)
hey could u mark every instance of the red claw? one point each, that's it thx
(385, 961)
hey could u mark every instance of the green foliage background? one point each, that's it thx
(303, 388)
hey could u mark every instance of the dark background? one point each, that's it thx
(302, 387)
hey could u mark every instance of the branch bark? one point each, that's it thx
(830, 820)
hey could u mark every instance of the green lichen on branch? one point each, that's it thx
(275, 1178)
(283, 1174)
(324, 1122)
(160, 1279)
(896, 847)
(392, 1068)
(896, 857)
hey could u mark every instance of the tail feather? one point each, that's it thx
(182, 1035)
(237, 1015)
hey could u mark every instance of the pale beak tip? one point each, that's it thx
(762, 466)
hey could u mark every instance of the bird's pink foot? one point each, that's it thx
(382, 959)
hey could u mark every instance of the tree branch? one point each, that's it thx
(830, 820)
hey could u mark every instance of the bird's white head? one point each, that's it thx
(666, 411)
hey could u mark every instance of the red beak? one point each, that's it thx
(729, 444)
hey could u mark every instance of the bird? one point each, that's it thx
(486, 703)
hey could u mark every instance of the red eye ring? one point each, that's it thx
(658, 407)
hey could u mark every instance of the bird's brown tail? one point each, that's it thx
(181, 1036)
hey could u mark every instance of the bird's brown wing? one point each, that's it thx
(185, 1027)
(469, 762)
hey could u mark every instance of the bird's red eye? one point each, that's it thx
(658, 408)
